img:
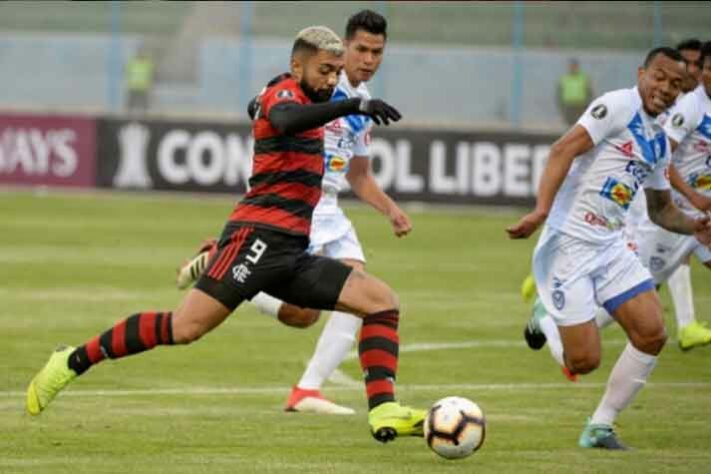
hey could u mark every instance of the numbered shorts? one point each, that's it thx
(574, 276)
(662, 251)
(333, 235)
(251, 259)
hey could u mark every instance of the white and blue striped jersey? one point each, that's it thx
(631, 151)
(344, 138)
(690, 126)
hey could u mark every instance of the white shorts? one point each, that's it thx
(575, 277)
(333, 235)
(662, 251)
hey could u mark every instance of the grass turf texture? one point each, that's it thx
(74, 263)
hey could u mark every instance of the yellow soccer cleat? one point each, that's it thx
(390, 420)
(53, 377)
(694, 335)
(528, 289)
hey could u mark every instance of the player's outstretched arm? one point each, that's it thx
(574, 143)
(363, 183)
(290, 117)
(664, 213)
(698, 200)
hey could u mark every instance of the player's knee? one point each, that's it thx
(387, 299)
(297, 317)
(185, 334)
(582, 363)
(652, 341)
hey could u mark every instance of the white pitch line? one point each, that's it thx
(341, 378)
(402, 387)
(436, 346)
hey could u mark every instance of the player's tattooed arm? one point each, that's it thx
(664, 213)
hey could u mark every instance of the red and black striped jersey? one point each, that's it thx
(286, 171)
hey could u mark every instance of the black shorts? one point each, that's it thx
(252, 259)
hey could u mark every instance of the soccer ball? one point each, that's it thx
(455, 427)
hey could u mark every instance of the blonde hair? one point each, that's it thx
(319, 38)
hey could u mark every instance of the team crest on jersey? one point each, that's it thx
(599, 111)
(617, 192)
(336, 163)
(677, 120)
(558, 299)
(656, 264)
(285, 94)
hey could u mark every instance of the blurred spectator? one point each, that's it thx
(574, 93)
(139, 80)
(690, 49)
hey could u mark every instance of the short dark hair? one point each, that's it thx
(671, 53)
(367, 20)
(705, 53)
(691, 43)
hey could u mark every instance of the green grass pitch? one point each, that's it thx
(74, 263)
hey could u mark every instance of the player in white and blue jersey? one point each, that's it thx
(541, 329)
(664, 252)
(347, 163)
(581, 260)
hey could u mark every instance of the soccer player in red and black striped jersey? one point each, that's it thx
(263, 247)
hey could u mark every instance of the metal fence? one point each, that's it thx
(454, 64)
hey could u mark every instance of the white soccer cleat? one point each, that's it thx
(311, 401)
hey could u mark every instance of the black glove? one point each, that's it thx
(379, 111)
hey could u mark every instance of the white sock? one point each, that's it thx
(555, 346)
(680, 290)
(603, 318)
(267, 304)
(336, 340)
(628, 376)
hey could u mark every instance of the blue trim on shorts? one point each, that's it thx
(615, 302)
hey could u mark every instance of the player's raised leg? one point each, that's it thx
(198, 314)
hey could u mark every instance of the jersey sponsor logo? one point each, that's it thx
(677, 120)
(336, 163)
(626, 149)
(599, 111)
(285, 94)
(701, 146)
(700, 181)
(558, 299)
(617, 192)
(602, 221)
(334, 126)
